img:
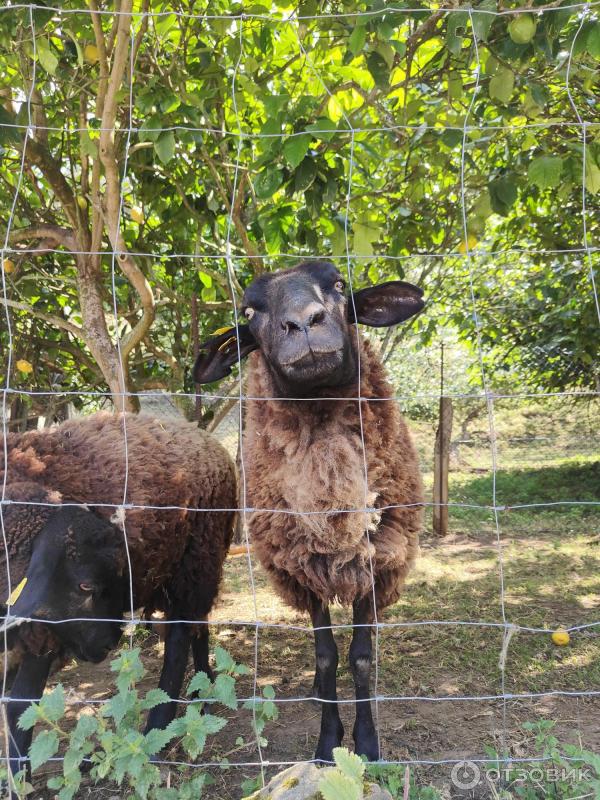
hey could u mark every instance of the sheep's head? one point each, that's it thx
(301, 320)
(75, 573)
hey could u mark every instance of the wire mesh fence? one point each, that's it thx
(503, 441)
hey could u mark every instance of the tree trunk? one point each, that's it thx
(99, 342)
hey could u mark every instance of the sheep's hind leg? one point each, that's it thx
(332, 730)
(366, 741)
(177, 648)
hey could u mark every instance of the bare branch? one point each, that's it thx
(52, 233)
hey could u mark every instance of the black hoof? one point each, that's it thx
(327, 742)
(367, 746)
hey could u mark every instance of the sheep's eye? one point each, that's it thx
(86, 587)
(249, 312)
(340, 286)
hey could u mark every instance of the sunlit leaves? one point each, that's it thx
(165, 146)
(46, 57)
(545, 171)
(295, 148)
(502, 85)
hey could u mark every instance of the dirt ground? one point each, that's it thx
(550, 579)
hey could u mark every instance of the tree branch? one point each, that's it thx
(58, 322)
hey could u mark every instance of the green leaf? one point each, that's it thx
(305, 174)
(224, 690)
(592, 41)
(335, 786)
(205, 279)
(364, 236)
(223, 660)
(483, 22)
(503, 194)
(502, 85)
(268, 692)
(154, 698)
(52, 704)
(87, 724)
(378, 68)
(201, 684)
(29, 717)
(295, 148)
(45, 56)
(44, 746)
(545, 171)
(322, 128)
(357, 39)
(165, 146)
(267, 182)
(155, 740)
(387, 52)
(349, 763)
(457, 29)
(592, 175)
(119, 705)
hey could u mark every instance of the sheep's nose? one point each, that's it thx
(304, 318)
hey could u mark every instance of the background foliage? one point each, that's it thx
(275, 135)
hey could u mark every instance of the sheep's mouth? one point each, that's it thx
(311, 357)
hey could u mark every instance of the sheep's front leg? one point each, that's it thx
(332, 730)
(200, 651)
(177, 648)
(365, 736)
(29, 685)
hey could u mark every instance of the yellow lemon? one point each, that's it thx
(137, 215)
(90, 53)
(561, 637)
(24, 366)
(82, 203)
(472, 240)
(8, 266)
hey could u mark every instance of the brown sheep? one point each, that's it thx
(330, 520)
(72, 551)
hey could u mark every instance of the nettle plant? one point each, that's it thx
(111, 744)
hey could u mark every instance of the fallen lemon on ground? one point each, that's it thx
(24, 366)
(8, 266)
(561, 637)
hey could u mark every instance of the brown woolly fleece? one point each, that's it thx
(308, 456)
(176, 554)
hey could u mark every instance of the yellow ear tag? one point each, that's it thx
(219, 331)
(16, 593)
(228, 342)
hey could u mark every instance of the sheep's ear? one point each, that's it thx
(386, 304)
(31, 597)
(218, 355)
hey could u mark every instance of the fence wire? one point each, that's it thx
(504, 625)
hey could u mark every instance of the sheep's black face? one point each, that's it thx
(76, 573)
(299, 320)
(302, 321)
